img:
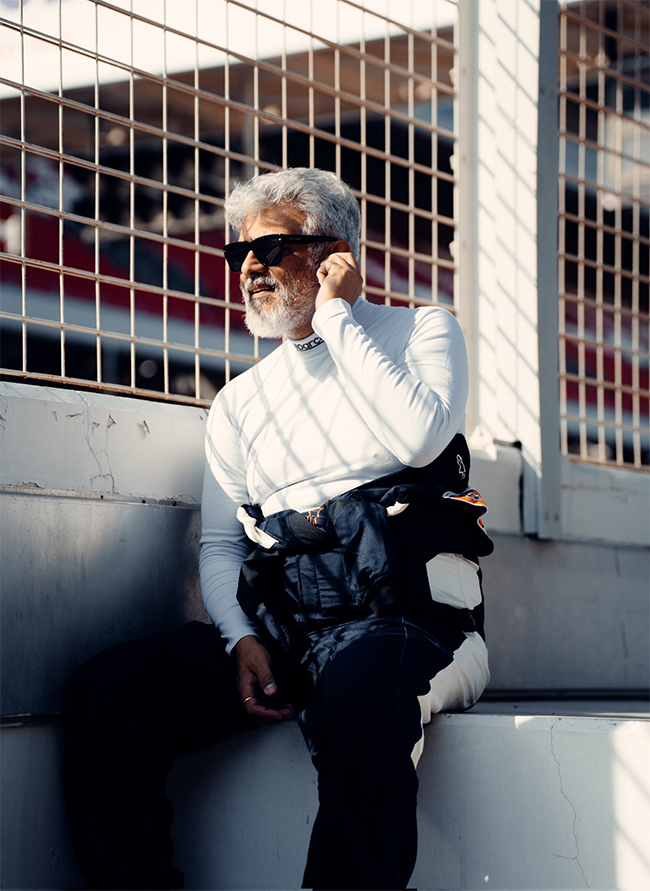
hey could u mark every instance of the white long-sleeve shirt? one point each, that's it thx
(375, 388)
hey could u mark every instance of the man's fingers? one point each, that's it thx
(262, 715)
(253, 665)
(256, 681)
(260, 667)
(247, 684)
(265, 678)
(261, 712)
(338, 276)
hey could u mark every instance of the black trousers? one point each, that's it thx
(134, 708)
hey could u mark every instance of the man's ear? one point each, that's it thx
(338, 247)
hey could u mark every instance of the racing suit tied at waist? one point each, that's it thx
(363, 552)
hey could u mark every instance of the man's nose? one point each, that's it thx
(251, 264)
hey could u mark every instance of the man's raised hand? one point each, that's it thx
(339, 276)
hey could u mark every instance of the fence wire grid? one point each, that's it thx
(604, 243)
(114, 171)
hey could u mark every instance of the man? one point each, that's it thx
(338, 563)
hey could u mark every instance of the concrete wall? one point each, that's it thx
(99, 499)
(532, 801)
(567, 616)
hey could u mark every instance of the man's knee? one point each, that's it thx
(373, 676)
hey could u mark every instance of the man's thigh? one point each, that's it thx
(357, 655)
(374, 671)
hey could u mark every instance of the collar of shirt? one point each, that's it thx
(307, 344)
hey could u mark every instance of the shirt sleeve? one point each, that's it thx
(223, 542)
(414, 403)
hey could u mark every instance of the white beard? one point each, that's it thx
(290, 308)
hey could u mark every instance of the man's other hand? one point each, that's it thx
(257, 686)
(339, 276)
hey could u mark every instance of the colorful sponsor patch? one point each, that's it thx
(315, 518)
(472, 497)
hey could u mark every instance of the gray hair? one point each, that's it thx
(328, 204)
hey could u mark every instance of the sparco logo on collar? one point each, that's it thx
(309, 345)
(461, 467)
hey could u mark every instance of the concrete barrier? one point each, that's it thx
(508, 800)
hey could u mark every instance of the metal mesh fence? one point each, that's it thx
(604, 236)
(126, 124)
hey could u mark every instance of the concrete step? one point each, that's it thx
(513, 795)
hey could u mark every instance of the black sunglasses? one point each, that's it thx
(269, 249)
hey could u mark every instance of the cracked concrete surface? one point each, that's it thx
(80, 442)
(98, 443)
(576, 856)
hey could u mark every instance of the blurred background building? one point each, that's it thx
(500, 151)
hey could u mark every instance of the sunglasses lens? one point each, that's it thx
(235, 254)
(270, 253)
(267, 249)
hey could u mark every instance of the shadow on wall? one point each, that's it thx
(80, 575)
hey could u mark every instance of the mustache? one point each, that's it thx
(259, 280)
